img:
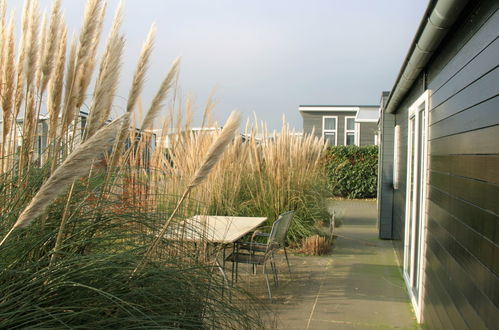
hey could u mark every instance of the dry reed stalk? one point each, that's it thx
(157, 101)
(212, 157)
(135, 90)
(30, 110)
(68, 114)
(21, 72)
(32, 46)
(55, 89)
(316, 245)
(133, 95)
(208, 109)
(51, 48)
(3, 38)
(107, 79)
(42, 42)
(77, 164)
(8, 84)
(141, 69)
(89, 40)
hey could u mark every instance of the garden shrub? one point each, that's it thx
(352, 171)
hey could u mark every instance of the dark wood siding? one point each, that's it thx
(367, 132)
(312, 121)
(462, 254)
(385, 176)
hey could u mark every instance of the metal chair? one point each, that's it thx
(256, 253)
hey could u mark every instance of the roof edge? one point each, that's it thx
(438, 18)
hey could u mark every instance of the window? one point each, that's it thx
(350, 132)
(329, 129)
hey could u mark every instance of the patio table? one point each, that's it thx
(220, 230)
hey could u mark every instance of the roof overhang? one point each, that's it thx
(439, 17)
(367, 115)
(327, 108)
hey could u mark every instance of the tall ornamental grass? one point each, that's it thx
(80, 209)
(260, 173)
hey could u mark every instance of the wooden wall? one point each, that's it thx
(462, 256)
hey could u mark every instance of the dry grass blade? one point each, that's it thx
(140, 70)
(55, 88)
(8, 79)
(32, 45)
(133, 95)
(160, 95)
(212, 157)
(77, 164)
(50, 49)
(69, 97)
(19, 96)
(89, 40)
(217, 148)
(3, 37)
(107, 80)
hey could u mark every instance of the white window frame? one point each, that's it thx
(324, 131)
(355, 131)
(421, 189)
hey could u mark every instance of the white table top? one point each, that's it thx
(217, 229)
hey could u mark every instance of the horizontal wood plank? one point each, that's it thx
(474, 251)
(483, 36)
(480, 90)
(480, 220)
(479, 193)
(484, 62)
(478, 142)
(480, 167)
(479, 116)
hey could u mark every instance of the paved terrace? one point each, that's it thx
(357, 286)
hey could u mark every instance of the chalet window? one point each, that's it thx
(329, 129)
(351, 137)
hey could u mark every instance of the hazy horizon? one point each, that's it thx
(265, 57)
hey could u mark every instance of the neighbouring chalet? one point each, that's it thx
(40, 144)
(438, 195)
(341, 125)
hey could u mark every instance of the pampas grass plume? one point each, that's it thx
(217, 148)
(76, 165)
(160, 95)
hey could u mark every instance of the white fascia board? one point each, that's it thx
(328, 109)
(366, 120)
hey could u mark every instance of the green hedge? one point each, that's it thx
(352, 171)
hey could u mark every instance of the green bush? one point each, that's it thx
(352, 171)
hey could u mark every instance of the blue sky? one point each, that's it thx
(267, 56)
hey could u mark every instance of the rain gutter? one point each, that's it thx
(438, 19)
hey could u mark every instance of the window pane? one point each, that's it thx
(350, 124)
(330, 138)
(330, 123)
(350, 139)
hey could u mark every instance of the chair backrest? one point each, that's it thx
(280, 229)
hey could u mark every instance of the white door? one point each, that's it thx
(415, 227)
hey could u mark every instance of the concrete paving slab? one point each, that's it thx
(357, 286)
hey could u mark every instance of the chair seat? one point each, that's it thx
(245, 258)
(257, 247)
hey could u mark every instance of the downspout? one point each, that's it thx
(433, 28)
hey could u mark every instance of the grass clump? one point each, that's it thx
(80, 200)
(84, 204)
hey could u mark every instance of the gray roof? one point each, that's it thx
(339, 105)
